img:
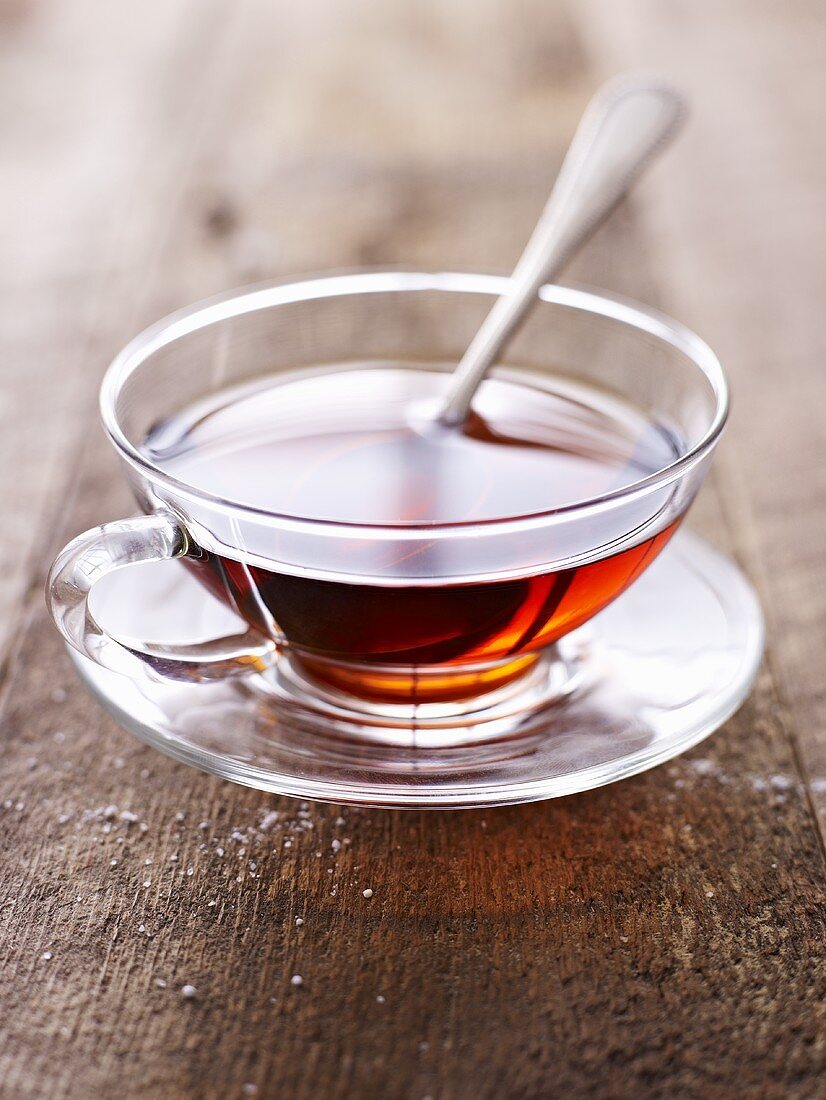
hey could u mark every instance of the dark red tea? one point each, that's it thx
(358, 446)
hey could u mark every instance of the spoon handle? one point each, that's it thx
(626, 124)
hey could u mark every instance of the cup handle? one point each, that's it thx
(157, 537)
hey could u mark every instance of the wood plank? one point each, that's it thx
(742, 259)
(95, 148)
(657, 937)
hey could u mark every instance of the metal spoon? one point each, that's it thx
(626, 124)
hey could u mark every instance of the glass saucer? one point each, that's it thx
(660, 669)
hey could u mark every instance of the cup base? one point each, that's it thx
(515, 707)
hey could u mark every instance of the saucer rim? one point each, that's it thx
(696, 554)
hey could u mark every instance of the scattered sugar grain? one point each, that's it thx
(188, 992)
(368, 893)
(299, 921)
(296, 980)
(380, 999)
(46, 955)
(702, 766)
(160, 983)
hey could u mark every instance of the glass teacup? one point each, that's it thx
(456, 627)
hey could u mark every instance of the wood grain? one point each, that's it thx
(661, 937)
(748, 269)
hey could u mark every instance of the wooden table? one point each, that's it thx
(661, 937)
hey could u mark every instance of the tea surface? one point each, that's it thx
(359, 446)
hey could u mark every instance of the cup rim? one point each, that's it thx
(270, 294)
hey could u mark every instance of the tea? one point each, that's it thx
(358, 446)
